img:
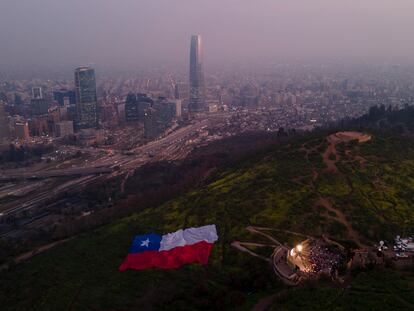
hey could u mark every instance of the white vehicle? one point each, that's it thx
(405, 244)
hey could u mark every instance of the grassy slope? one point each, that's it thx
(379, 290)
(275, 189)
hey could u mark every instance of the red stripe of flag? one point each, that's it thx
(171, 259)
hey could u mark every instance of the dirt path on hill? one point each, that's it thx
(331, 166)
(257, 231)
(36, 251)
(239, 245)
(331, 150)
(340, 217)
(342, 137)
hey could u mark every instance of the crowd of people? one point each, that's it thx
(323, 258)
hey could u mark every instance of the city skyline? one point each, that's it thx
(261, 150)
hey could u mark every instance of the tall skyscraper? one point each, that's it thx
(197, 83)
(86, 99)
(4, 123)
(131, 108)
(40, 106)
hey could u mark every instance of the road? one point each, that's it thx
(171, 147)
(56, 173)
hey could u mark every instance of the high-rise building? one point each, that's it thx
(40, 106)
(37, 93)
(166, 112)
(176, 92)
(18, 101)
(86, 98)
(178, 108)
(131, 108)
(160, 116)
(4, 124)
(135, 106)
(151, 129)
(197, 83)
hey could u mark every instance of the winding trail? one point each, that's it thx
(340, 217)
(331, 158)
(266, 303)
(331, 150)
(36, 251)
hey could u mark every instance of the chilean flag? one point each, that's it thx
(172, 250)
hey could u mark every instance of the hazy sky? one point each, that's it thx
(123, 32)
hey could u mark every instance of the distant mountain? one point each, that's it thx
(357, 192)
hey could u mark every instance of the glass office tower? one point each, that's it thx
(86, 99)
(197, 83)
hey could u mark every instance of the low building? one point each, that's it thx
(39, 125)
(65, 97)
(64, 128)
(88, 137)
(63, 113)
(21, 131)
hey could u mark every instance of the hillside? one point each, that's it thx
(315, 184)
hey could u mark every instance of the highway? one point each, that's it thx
(57, 173)
(171, 147)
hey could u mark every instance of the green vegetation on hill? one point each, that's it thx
(369, 197)
(379, 290)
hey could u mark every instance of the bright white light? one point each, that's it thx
(299, 248)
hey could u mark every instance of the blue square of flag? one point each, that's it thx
(145, 242)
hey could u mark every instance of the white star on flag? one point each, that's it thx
(145, 243)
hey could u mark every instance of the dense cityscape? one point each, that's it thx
(64, 135)
(272, 170)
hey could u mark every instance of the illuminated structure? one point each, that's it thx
(197, 83)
